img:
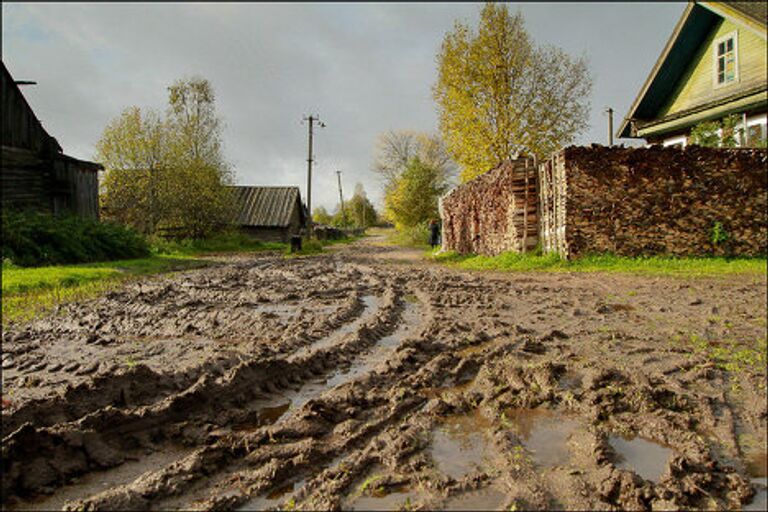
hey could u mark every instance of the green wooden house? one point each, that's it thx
(713, 66)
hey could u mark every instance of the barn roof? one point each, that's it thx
(21, 128)
(266, 206)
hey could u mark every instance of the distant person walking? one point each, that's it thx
(434, 233)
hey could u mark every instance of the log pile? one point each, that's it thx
(494, 213)
(650, 201)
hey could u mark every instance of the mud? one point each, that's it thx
(369, 379)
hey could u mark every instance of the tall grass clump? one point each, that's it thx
(32, 238)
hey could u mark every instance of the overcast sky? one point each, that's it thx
(365, 68)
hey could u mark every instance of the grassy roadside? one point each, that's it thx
(414, 238)
(30, 291)
(652, 266)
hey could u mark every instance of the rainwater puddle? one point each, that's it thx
(757, 464)
(760, 499)
(267, 416)
(544, 434)
(97, 482)
(474, 349)
(273, 498)
(490, 498)
(371, 305)
(445, 390)
(459, 445)
(646, 458)
(381, 351)
(394, 500)
(293, 400)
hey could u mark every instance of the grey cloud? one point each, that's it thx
(365, 68)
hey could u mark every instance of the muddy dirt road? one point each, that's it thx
(363, 379)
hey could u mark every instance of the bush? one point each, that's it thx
(33, 239)
(413, 236)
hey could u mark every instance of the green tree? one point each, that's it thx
(714, 134)
(360, 211)
(499, 94)
(413, 197)
(321, 216)
(134, 150)
(168, 174)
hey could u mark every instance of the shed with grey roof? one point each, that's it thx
(271, 214)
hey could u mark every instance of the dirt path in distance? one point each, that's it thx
(368, 378)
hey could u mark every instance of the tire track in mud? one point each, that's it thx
(284, 432)
(503, 368)
(268, 375)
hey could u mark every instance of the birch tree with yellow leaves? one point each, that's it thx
(499, 94)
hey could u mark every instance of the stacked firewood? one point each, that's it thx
(656, 200)
(494, 213)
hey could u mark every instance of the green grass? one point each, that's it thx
(28, 292)
(653, 265)
(730, 355)
(416, 237)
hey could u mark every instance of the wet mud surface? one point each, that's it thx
(366, 380)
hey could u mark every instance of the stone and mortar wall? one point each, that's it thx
(494, 213)
(648, 201)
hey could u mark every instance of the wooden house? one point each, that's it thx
(34, 171)
(713, 66)
(272, 214)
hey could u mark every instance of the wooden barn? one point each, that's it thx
(34, 171)
(271, 214)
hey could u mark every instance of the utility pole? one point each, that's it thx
(312, 120)
(341, 199)
(609, 110)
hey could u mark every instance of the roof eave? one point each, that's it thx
(723, 10)
(654, 71)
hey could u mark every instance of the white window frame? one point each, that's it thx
(732, 35)
(680, 140)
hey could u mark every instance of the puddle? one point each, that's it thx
(273, 498)
(444, 390)
(394, 500)
(570, 380)
(94, 483)
(267, 416)
(490, 498)
(646, 458)
(380, 352)
(459, 445)
(760, 499)
(474, 349)
(544, 434)
(293, 400)
(757, 464)
(371, 305)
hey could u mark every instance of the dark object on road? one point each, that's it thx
(296, 243)
(434, 233)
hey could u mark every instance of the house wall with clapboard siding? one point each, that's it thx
(698, 84)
